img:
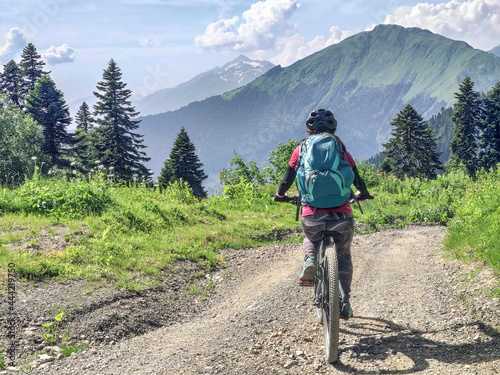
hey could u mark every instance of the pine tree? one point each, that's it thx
(11, 82)
(84, 139)
(118, 147)
(47, 106)
(83, 119)
(490, 137)
(183, 163)
(466, 123)
(411, 151)
(31, 66)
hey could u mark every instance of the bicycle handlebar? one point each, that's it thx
(294, 199)
(361, 198)
(287, 199)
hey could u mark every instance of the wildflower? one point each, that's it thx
(34, 158)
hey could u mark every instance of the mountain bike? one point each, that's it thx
(327, 297)
(327, 292)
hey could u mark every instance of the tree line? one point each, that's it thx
(105, 138)
(34, 118)
(475, 145)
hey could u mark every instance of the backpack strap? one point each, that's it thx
(301, 153)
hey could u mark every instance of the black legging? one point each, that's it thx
(343, 227)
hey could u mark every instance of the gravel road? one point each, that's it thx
(416, 311)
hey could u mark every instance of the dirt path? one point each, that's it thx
(414, 312)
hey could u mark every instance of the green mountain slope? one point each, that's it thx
(365, 80)
(495, 51)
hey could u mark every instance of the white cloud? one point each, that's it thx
(337, 35)
(149, 42)
(14, 44)
(297, 47)
(261, 27)
(265, 32)
(475, 21)
(60, 54)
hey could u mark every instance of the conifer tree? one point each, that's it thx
(466, 122)
(84, 139)
(47, 106)
(11, 82)
(31, 66)
(118, 147)
(411, 152)
(490, 137)
(83, 119)
(183, 163)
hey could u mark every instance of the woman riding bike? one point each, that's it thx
(316, 218)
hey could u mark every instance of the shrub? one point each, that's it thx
(70, 199)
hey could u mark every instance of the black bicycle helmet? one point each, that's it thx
(321, 120)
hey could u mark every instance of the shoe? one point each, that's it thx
(308, 271)
(346, 311)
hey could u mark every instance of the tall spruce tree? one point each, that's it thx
(31, 66)
(183, 163)
(466, 118)
(84, 139)
(47, 106)
(411, 152)
(118, 147)
(490, 136)
(11, 82)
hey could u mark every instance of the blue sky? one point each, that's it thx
(161, 43)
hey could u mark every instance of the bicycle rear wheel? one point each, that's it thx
(331, 305)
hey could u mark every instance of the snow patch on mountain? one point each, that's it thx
(216, 81)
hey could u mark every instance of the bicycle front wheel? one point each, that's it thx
(331, 305)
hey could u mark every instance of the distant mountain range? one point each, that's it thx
(365, 80)
(495, 51)
(216, 81)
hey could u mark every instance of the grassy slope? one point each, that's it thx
(387, 56)
(135, 234)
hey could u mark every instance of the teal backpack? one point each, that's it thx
(324, 177)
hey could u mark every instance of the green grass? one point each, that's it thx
(413, 200)
(68, 349)
(130, 237)
(475, 231)
(3, 365)
(469, 207)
